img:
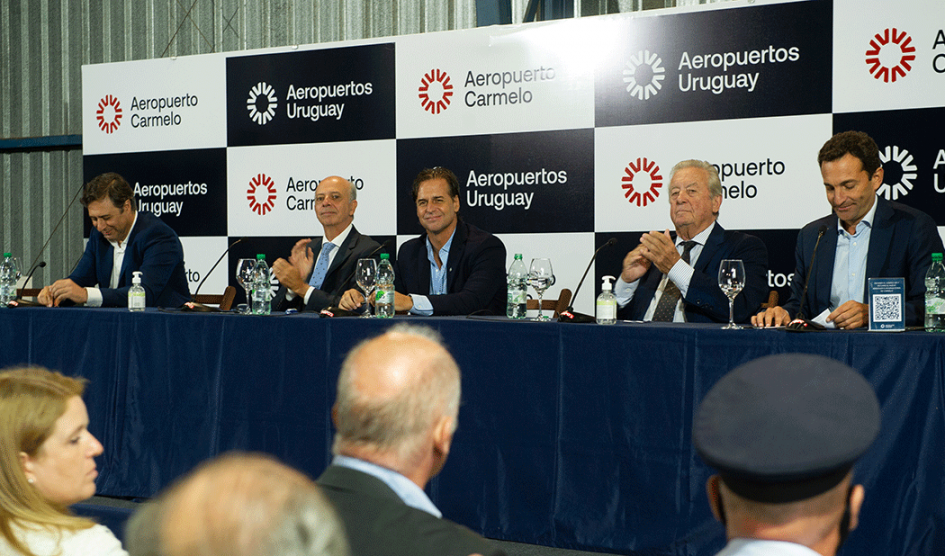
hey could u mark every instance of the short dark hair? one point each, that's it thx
(109, 185)
(437, 172)
(855, 143)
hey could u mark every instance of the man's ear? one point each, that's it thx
(443, 436)
(713, 491)
(334, 415)
(857, 494)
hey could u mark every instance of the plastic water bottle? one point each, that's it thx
(517, 281)
(384, 294)
(935, 295)
(607, 303)
(136, 295)
(9, 274)
(262, 287)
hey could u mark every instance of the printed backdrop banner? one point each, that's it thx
(562, 135)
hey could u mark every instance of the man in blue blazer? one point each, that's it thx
(677, 280)
(122, 241)
(303, 284)
(899, 242)
(454, 268)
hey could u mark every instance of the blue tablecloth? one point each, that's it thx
(576, 436)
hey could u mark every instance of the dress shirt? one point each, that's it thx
(849, 267)
(338, 241)
(118, 257)
(758, 547)
(680, 274)
(421, 304)
(407, 490)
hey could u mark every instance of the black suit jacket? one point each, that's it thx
(153, 248)
(475, 275)
(340, 277)
(380, 524)
(704, 301)
(902, 241)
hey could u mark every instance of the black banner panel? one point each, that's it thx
(337, 94)
(511, 183)
(912, 150)
(186, 189)
(717, 65)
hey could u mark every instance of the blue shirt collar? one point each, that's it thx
(407, 490)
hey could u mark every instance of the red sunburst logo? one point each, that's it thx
(261, 194)
(435, 91)
(643, 181)
(896, 49)
(108, 114)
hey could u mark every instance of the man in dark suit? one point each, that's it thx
(395, 415)
(677, 280)
(308, 285)
(454, 268)
(122, 241)
(898, 240)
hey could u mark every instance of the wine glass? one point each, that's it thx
(732, 281)
(245, 269)
(541, 277)
(366, 274)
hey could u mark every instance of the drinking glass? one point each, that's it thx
(541, 277)
(366, 275)
(245, 268)
(732, 281)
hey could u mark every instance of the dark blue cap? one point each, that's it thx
(786, 427)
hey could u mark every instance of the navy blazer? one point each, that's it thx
(378, 522)
(475, 275)
(704, 301)
(902, 241)
(153, 248)
(339, 279)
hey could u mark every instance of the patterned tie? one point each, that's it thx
(666, 307)
(321, 266)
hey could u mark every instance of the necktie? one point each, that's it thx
(321, 266)
(666, 307)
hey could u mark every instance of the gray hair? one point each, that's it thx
(396, 425)
(715, 184)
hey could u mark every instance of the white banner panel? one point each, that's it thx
(154, 105)
(888, 55)
(768, 168)
(271, 189)
(495, 80)
(199, 255)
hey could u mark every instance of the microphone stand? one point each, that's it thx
(568, 315)
(802, 323)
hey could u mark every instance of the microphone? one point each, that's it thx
(801, 323)
(19, 301)
(29, 276)
(200, 307)
(569, 315)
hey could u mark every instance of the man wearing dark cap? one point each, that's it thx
(784, 432)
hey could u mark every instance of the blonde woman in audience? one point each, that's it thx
(47, 463)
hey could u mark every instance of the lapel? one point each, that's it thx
(456, 253)
(124, 276)
(820, 283)
(342, 250)
(880, 238)
(712, 245)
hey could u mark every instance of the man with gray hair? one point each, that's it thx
(314, 279)
(239, 505)
(676, 280)
(395, 415)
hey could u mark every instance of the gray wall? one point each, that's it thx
(44, 43)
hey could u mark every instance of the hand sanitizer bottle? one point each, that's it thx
(136, 296)
(607, 303)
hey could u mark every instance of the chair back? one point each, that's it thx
(557, 305)
(224, 300)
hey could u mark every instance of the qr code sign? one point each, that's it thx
(887, 308)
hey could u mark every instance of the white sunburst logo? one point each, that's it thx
(644, 75)
(901, 188)
(262, 103)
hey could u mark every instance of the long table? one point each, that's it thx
(575, 436)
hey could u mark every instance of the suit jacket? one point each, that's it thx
(704, 301)
(340, 277)
(153, 248)
(902, 241)
(379, 523)
(475, 275)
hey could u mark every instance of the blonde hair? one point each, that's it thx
(32, 399)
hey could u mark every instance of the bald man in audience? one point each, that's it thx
(239, 505)
(784, 432)
(395, 414)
